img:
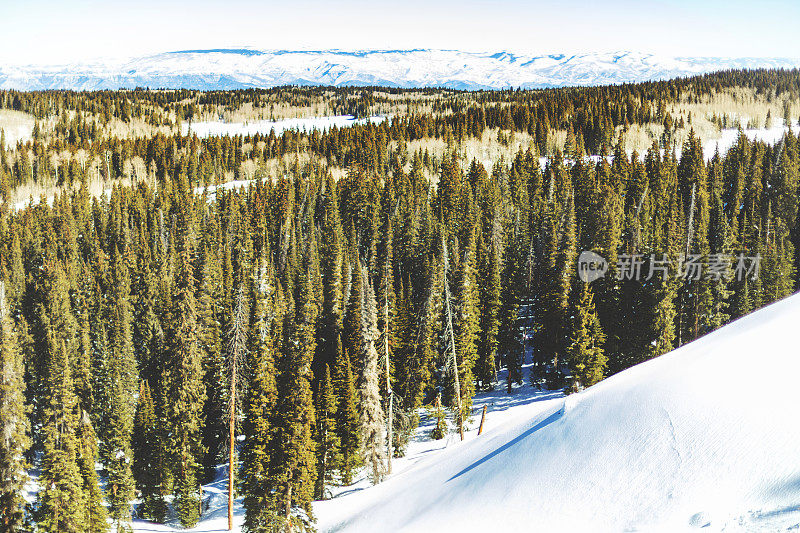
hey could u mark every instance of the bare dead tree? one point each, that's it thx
(453, 364)
(389, 391)
(237, 348)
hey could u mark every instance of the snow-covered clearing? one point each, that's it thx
(728, 138)
(706, 436)
(16, 126)
(212, 129)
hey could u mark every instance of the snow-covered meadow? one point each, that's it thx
(219, 128)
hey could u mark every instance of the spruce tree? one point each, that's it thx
(294, 464)
(585, 353)
(117, 454)
(146, 467)
(328, 455)
(489, 292)
(14, 425)
(372, 422)
(186, 392)
(64, 505)
(259, 405)
(347, 422)
(63, 501)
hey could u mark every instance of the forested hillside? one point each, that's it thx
(351, 274)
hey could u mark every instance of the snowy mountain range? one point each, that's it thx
(246, 68)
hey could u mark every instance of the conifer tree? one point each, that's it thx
(295, 462)
(63, 500)
(186, 392)
(331, 259)
(259, 404)
(146, 464)
(372, 422)
(347, 422)
(328, 455)
(489, 305)
(585, 354)
(14, 425)
(210, 307)
(116, 451)
(96, 516)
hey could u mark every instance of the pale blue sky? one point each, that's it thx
(56, 31)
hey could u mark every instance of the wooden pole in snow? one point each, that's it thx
(483, 419)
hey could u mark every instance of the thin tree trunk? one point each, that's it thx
(237, 349)
(388, 380)
(232, 449)
(452, 342)
(483, 419)
(289, 510)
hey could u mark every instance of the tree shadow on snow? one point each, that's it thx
(542, 424)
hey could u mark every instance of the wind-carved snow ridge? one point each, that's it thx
(217, 69)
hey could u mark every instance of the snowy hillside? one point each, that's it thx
(707, 435)
(243, 68)
(703, 437)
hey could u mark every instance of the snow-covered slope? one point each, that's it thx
(243, 68)
(705, 436)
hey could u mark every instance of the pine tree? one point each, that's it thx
(509, 341)
(259, 404)
(117, 454)
(489, 304)
(295, 462)
(372, 422)
(146, 467)
(585, 354)
(210, 306)
(96, 517)
(186, 392)
(347, 423)
(331, 259)
(64, 504)
(328, 455)
(14, 425)
(63, 500)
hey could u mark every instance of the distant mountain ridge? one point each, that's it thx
(242, 68)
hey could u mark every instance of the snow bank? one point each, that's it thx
(705, 436)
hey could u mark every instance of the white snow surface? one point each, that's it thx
(245, 68)
(219, 128)
(728, 138)
(705, 437)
